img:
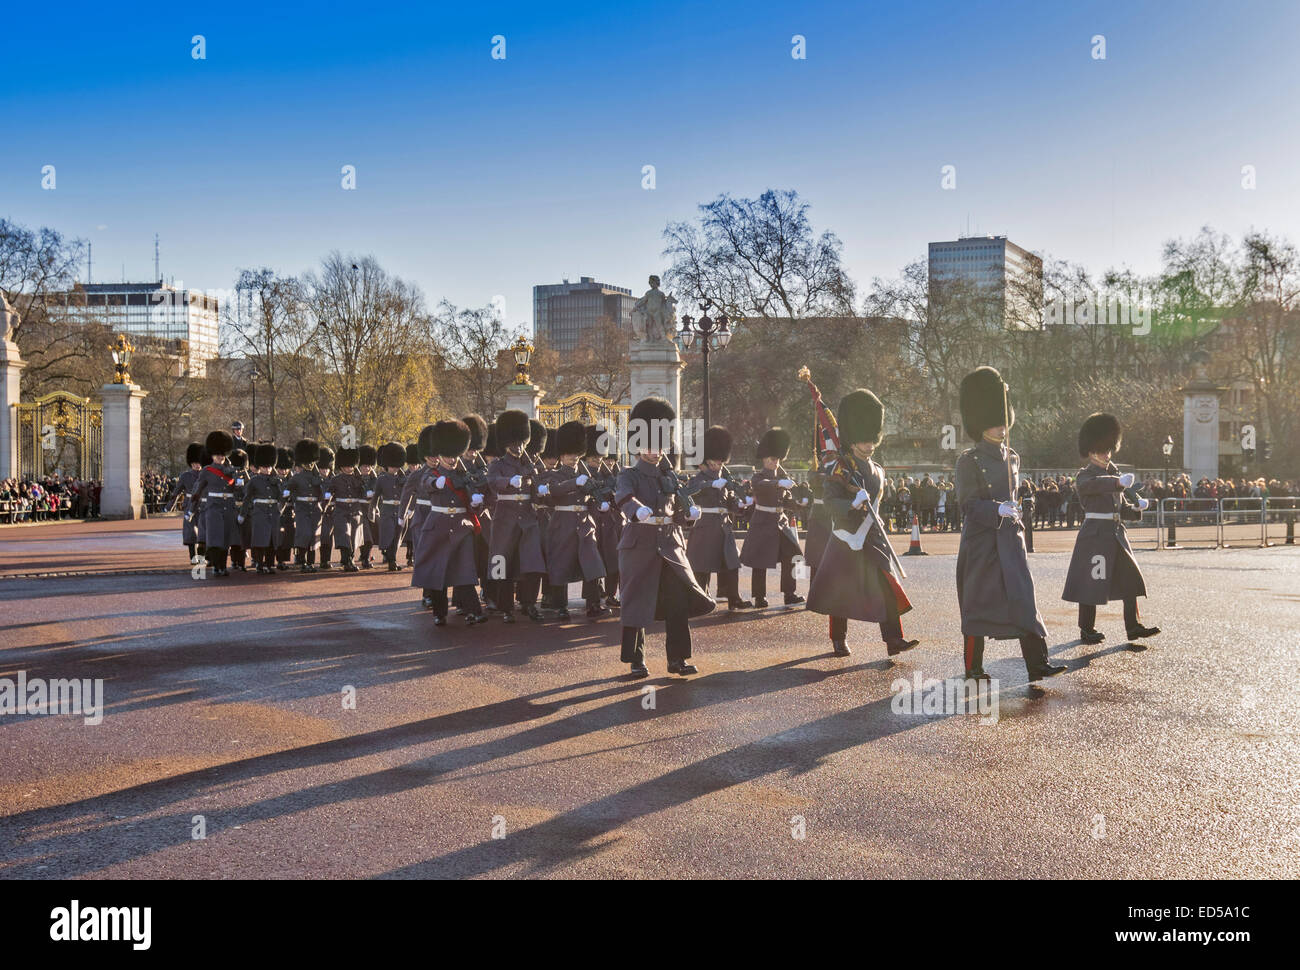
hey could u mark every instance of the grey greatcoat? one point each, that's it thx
(856, 584)
(189, 523)
(711, 544)
(1116, 576)
(444, 546)
(350, 503)
(214, 493)
(609, 523)
(572, 546)
(306, 490)
(369, 511)
(819, 519)
(417, 496)
(388, 500)
(771, 538)
(262, 501)
(995, 590)
(645, 548)
(516, 531)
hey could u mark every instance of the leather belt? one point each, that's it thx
(570, 508)
(769, 508)
(1112, 516)
(513, 498)
(655, 520)
(447, 509)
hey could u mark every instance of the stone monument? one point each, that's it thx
(1201, 425)
(122, 497)
(11, 367)
(656, 363)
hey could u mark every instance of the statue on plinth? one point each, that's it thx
(654, 316)
(9, 319)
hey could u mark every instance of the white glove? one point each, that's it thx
(285, 493)
(582, 479)
(862, 498)
(239, 482)
(604, 506)
(786, 483)
(695, 512)
(1126, 480)
(370, 494)
(749, 500)
(239, 519)
(406, 516)
(476, 499)
(516, 482)
(803, 501)
(1009, 510)
(328, 495)
(643, 513)
(440, 482)
(719, 483)
(1142, 504)
(543, 490)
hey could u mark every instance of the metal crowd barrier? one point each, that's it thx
(1227, 523)
(1145, 533)
(1280, 515)
(1189, 522)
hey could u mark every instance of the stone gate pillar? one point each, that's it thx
(11, 368)
(122, 497)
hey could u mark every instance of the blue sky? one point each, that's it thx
(478, 177)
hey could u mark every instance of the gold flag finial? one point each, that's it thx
(804, 373)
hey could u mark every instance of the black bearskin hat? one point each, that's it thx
(775, 443)
(571, 439)
(982, 395)
(861, 418)
(426, 443)
(717, 443)
(477, 431)
(552, 449)
(538, 435)
(193, 453)
(219, 443)
(264, 455)
(512, 428)
(366, 455)
(392, 454)
(239, 458)
(326, 457)
(412, 454)
(284, 459)
(450, 438)
(1100, 433)
(490, 447)
(347, 458)
(306, 451)
(652, 409)
(593, 441)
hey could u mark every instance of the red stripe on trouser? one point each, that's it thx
(970, 651)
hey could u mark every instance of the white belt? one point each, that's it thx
(656, 520)
(221, 494)
(303, 498)
(819, 501)
(714, 510)
(513, 498)
(447, 510)
(389, 501)
(1112, 516)
(422, 501)
(570, 508)
(768, 508)
(267, 501)
(363, 500)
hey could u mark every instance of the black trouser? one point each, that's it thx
(728, 583)
(365, 551)
(1029, 535)
(758, 580)
(1088, 614)
(1032, 648)
(674, 603)
(390, 553)
(216, 556)
(891, 627)
(611, 584)
(527, 588)
(464, 598)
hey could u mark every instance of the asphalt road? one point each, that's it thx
(225, 700)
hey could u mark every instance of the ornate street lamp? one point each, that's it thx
(711, 334)
(254, 381)
(523, 352)
(122, 351)
(1168, 449)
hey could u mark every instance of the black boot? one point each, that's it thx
(792, 598)
(348, 565)
(736, 606)
(895, 647)
(534, 613)
(682, 667)
(1046, 670)
(840, 648)
(640, 670)
(1091, 636)
(1141, 632)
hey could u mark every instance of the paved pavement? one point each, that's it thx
(225, 700)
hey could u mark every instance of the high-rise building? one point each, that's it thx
(155, 311)
(563, 311)
(998, 271)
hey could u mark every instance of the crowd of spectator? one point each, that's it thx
(52, 498)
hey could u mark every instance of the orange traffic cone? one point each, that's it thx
(914, 548)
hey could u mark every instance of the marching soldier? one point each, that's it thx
(995, 590)
(516, 532)
(388, 497)
(476, 466)
(184, 486)
(236, 526)
(711, 545)
(414, 462)
(1102, 567)
(366, 458)
(284, 547)
(305, 490)
(262, 508)
(348, 493)
(572, 548)
(819, 518)
(658, 583)
(771, 539)
(325, 466)
(444, 549)
(417, 500)
(215, 487)
(859, 577)
(609, 520)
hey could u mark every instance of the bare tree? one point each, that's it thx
(265, 323)
(469, 348)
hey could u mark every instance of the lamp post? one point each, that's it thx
(712, 335)
(523, 353)
(1168, 449)
(254, 431)
(122, 351)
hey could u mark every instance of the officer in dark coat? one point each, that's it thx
(444, 549)
(602, 458)
(388, 500)
(261, 509)
(995, 590)
(771, 539)
(305, 489)
(348, 493)
(325, 466)
(656, 576)
(515, 545)
(284, 545)
(572, 548)
(711, 545)
(184, 486)
(215, 491)
(1102, 567)
(863, 583)
(366, 458)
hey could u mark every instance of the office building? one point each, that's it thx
(1003, 281)
(562, 312)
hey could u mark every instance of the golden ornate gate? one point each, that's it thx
(584, 407)
(62, 433)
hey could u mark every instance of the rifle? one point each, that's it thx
(671, 484)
